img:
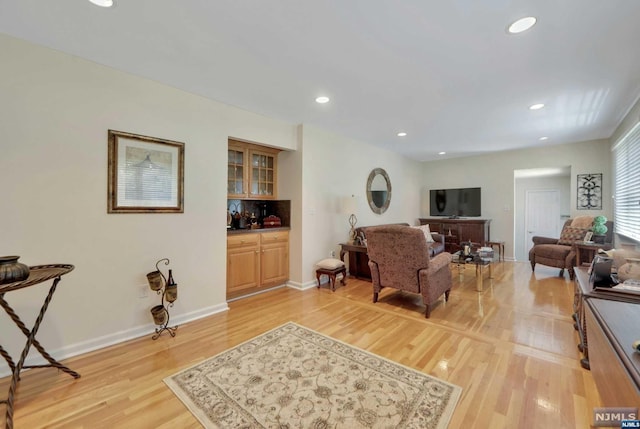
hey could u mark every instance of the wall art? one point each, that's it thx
(146, 174)
(589, 195)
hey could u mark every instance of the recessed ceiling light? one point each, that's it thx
(102, 3)
(523, 24)
(442, 153)
(402, 134)
(322, 99)
(536, 106)
(544, 138)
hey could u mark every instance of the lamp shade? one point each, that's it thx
(349, 205)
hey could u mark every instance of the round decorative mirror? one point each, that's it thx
(379, 190)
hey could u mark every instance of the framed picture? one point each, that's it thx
(589, 195)
(146, 174)
(588, 236)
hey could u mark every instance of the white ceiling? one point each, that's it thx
(444, 71)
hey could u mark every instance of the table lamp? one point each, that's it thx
(349, 206)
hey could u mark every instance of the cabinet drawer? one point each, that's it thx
(242, 240)
(275, 237)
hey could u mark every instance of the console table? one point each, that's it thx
(614, 364)
(37, 274)
(457, 231)
(583, 291)
(358, 260)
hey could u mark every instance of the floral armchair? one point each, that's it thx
(398, 258)
(560, 252)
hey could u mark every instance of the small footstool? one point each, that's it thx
(331, 267)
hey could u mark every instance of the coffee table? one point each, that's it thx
(482, 260)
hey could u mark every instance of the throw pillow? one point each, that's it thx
(571, 234)
(330, 263)
(582, 222)
(425, 231)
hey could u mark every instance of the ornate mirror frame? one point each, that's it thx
(370, 192)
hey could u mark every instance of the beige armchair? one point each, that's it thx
(399, 258)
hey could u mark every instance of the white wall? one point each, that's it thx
(54, 116)
(336, 167)
(630, 120)
(290, 188)
(494, 174)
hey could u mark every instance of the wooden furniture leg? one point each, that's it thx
(332, 276)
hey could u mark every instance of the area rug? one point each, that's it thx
(293, 377)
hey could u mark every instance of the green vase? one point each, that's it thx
(599, 229)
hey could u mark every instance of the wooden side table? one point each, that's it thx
(585, 252)
(499, 245)
(358, 260)
(37, 274)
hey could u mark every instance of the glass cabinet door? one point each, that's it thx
(236, 173)
(263, 167)
(251, 171)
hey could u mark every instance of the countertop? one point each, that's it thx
(251, 231)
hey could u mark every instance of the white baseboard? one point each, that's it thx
(256, 293)
(115, 338)
(303, 286)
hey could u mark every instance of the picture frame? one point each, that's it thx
(589, 192)
(145, 174)
(588, 236)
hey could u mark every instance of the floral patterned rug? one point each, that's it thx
(293, 377)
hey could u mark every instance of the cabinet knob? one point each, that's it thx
(241, 241)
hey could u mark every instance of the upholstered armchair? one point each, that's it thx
(399, 259)
(560, 252)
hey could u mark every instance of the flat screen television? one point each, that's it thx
(461, 202)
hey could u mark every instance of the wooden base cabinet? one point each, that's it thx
(457, 231)
(243, 264)
(274, 258)
(256, 261)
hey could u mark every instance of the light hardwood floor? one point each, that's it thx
(512, 349)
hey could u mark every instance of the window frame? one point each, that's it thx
(626, 178)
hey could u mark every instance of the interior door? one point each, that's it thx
(542, 215)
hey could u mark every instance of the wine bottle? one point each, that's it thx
(171, 290)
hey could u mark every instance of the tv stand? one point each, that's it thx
(458, 230)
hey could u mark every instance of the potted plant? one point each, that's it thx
(599, 229)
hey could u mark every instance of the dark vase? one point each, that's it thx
(598, 238)
(11, 270)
